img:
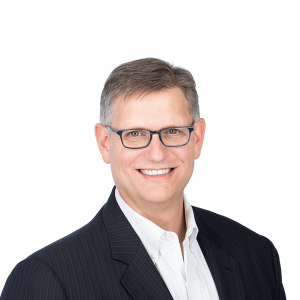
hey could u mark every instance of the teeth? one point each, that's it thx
(155, 172)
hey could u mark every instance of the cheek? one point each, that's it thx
(116, 157)
(124, 159)
(186, 154)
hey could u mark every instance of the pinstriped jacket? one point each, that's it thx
(106, 260)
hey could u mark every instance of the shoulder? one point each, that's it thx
(76, 244)
(59, 262)
(221, 223)
(31, 278)
(79, 248)
(233, 235)
(254, 253)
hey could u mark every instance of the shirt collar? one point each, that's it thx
(149, 232)
(191, 226)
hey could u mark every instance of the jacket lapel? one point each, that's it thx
(223, 267)
(141, 279)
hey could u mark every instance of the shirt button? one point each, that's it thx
(169, 237)
(193, 249)
(152, 256)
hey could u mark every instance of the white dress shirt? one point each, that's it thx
(186, 279)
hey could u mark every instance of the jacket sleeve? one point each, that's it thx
(32, 279)
(280, 293)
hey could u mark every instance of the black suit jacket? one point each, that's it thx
(106, 260)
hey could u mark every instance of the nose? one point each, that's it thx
(156, 151)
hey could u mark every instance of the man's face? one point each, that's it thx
(155, 111)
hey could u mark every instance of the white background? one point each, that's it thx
(54, 59)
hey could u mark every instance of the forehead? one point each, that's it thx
(154, 111)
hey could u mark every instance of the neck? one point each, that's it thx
(170, 215)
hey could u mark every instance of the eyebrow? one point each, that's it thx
(140, 127)
(170, 126)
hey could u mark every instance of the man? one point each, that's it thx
(147, 241)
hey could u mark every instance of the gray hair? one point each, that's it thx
(144, 76)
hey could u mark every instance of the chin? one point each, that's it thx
(157, 194)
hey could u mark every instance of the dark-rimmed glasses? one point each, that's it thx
(141, 138)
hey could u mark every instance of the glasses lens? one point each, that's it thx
(135, 138)
(175, 136)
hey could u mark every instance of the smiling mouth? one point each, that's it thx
(155, 172)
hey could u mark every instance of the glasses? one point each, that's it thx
(141, 138)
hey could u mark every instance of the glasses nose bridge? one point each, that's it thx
(155, 132)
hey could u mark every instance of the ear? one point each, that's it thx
(102, 137)
(199, 130)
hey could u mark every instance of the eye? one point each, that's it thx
(173, 131)
(134, 133)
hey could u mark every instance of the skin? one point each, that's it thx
(159, 200)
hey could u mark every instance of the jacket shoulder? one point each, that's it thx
(30, 279)
(232, 233)
(74, 244)
(252, 251)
